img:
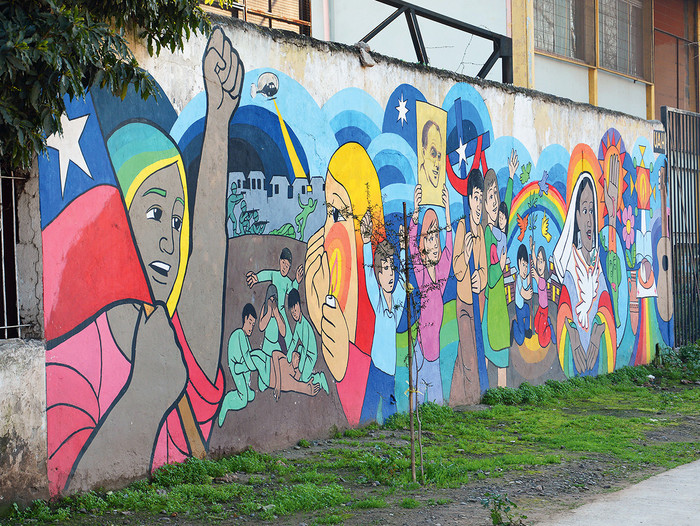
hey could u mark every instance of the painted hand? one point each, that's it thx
(334, 335)
(611, 189)
(476, 283)
(366, 228)
(512, 163)
(318, 277)
(300, 273)
(576, 349)
(594, 347)
(223, 76)
(468, 245)
(402, 237)
(251, 279)
(446, 204)
(158, 367)
(417, 200)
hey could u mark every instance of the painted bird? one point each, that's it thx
(543, 184)
(522, 223)
(545, 228)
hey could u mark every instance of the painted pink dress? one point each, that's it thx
(431, 307)
(85, 375)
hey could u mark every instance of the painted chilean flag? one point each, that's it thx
(89, 257)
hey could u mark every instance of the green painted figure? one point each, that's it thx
(283, 284)
(233, 199)
(302, 353)
(240, 364)
(302, 216)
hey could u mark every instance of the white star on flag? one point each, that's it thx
(461, 151)
(68, 147)
(403, 110)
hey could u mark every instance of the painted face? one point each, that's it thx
(585, 219)
(156, 215)
(432, 247)
(540, 264)
(248, 325)
(432, 156)
(296, 312)
(386, 276)
(475, 205)
(341, 249)
(522, 268)
(492, 202)
(501, 221)
(284, 267)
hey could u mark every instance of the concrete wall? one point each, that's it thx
(22, 422)
(569, 80)
(219, 262)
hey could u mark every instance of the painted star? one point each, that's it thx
(462, 152)
(68, 147)
(403, 110)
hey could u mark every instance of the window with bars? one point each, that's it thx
(621, 36)
(565, 28)
(291, 15)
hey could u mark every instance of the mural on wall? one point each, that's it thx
(197, 300)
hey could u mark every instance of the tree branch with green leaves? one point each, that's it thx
(53, 48)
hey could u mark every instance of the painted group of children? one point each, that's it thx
(286, 359)
(528, 278)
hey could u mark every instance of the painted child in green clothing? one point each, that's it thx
(240, 364)
(281, 280)
(302, 352)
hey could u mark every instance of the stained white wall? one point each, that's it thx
(622, 94)
(560, 78)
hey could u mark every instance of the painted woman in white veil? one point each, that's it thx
(584, 305)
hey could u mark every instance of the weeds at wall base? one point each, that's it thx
(526, 429)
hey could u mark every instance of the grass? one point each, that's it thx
(410, 503)
(608, 416)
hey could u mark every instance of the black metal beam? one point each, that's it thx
(493, 57)
(388, 20)
(502, 45)
(444, 20)
(416, 37)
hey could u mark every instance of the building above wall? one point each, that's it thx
(607, 53)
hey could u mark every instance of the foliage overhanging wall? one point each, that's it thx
(231, 274)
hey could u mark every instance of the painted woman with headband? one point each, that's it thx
(140, 383)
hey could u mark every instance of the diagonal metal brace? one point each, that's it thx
(502, 45)
(416, 37)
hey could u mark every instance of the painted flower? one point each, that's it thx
(628, 226)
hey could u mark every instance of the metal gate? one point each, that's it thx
(683, 147)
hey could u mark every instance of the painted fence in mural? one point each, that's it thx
(236, 270)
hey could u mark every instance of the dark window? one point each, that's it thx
(10, 326)
(277, 189)
(566, 28)
(621, 36)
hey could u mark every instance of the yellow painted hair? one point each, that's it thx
(353, 169)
